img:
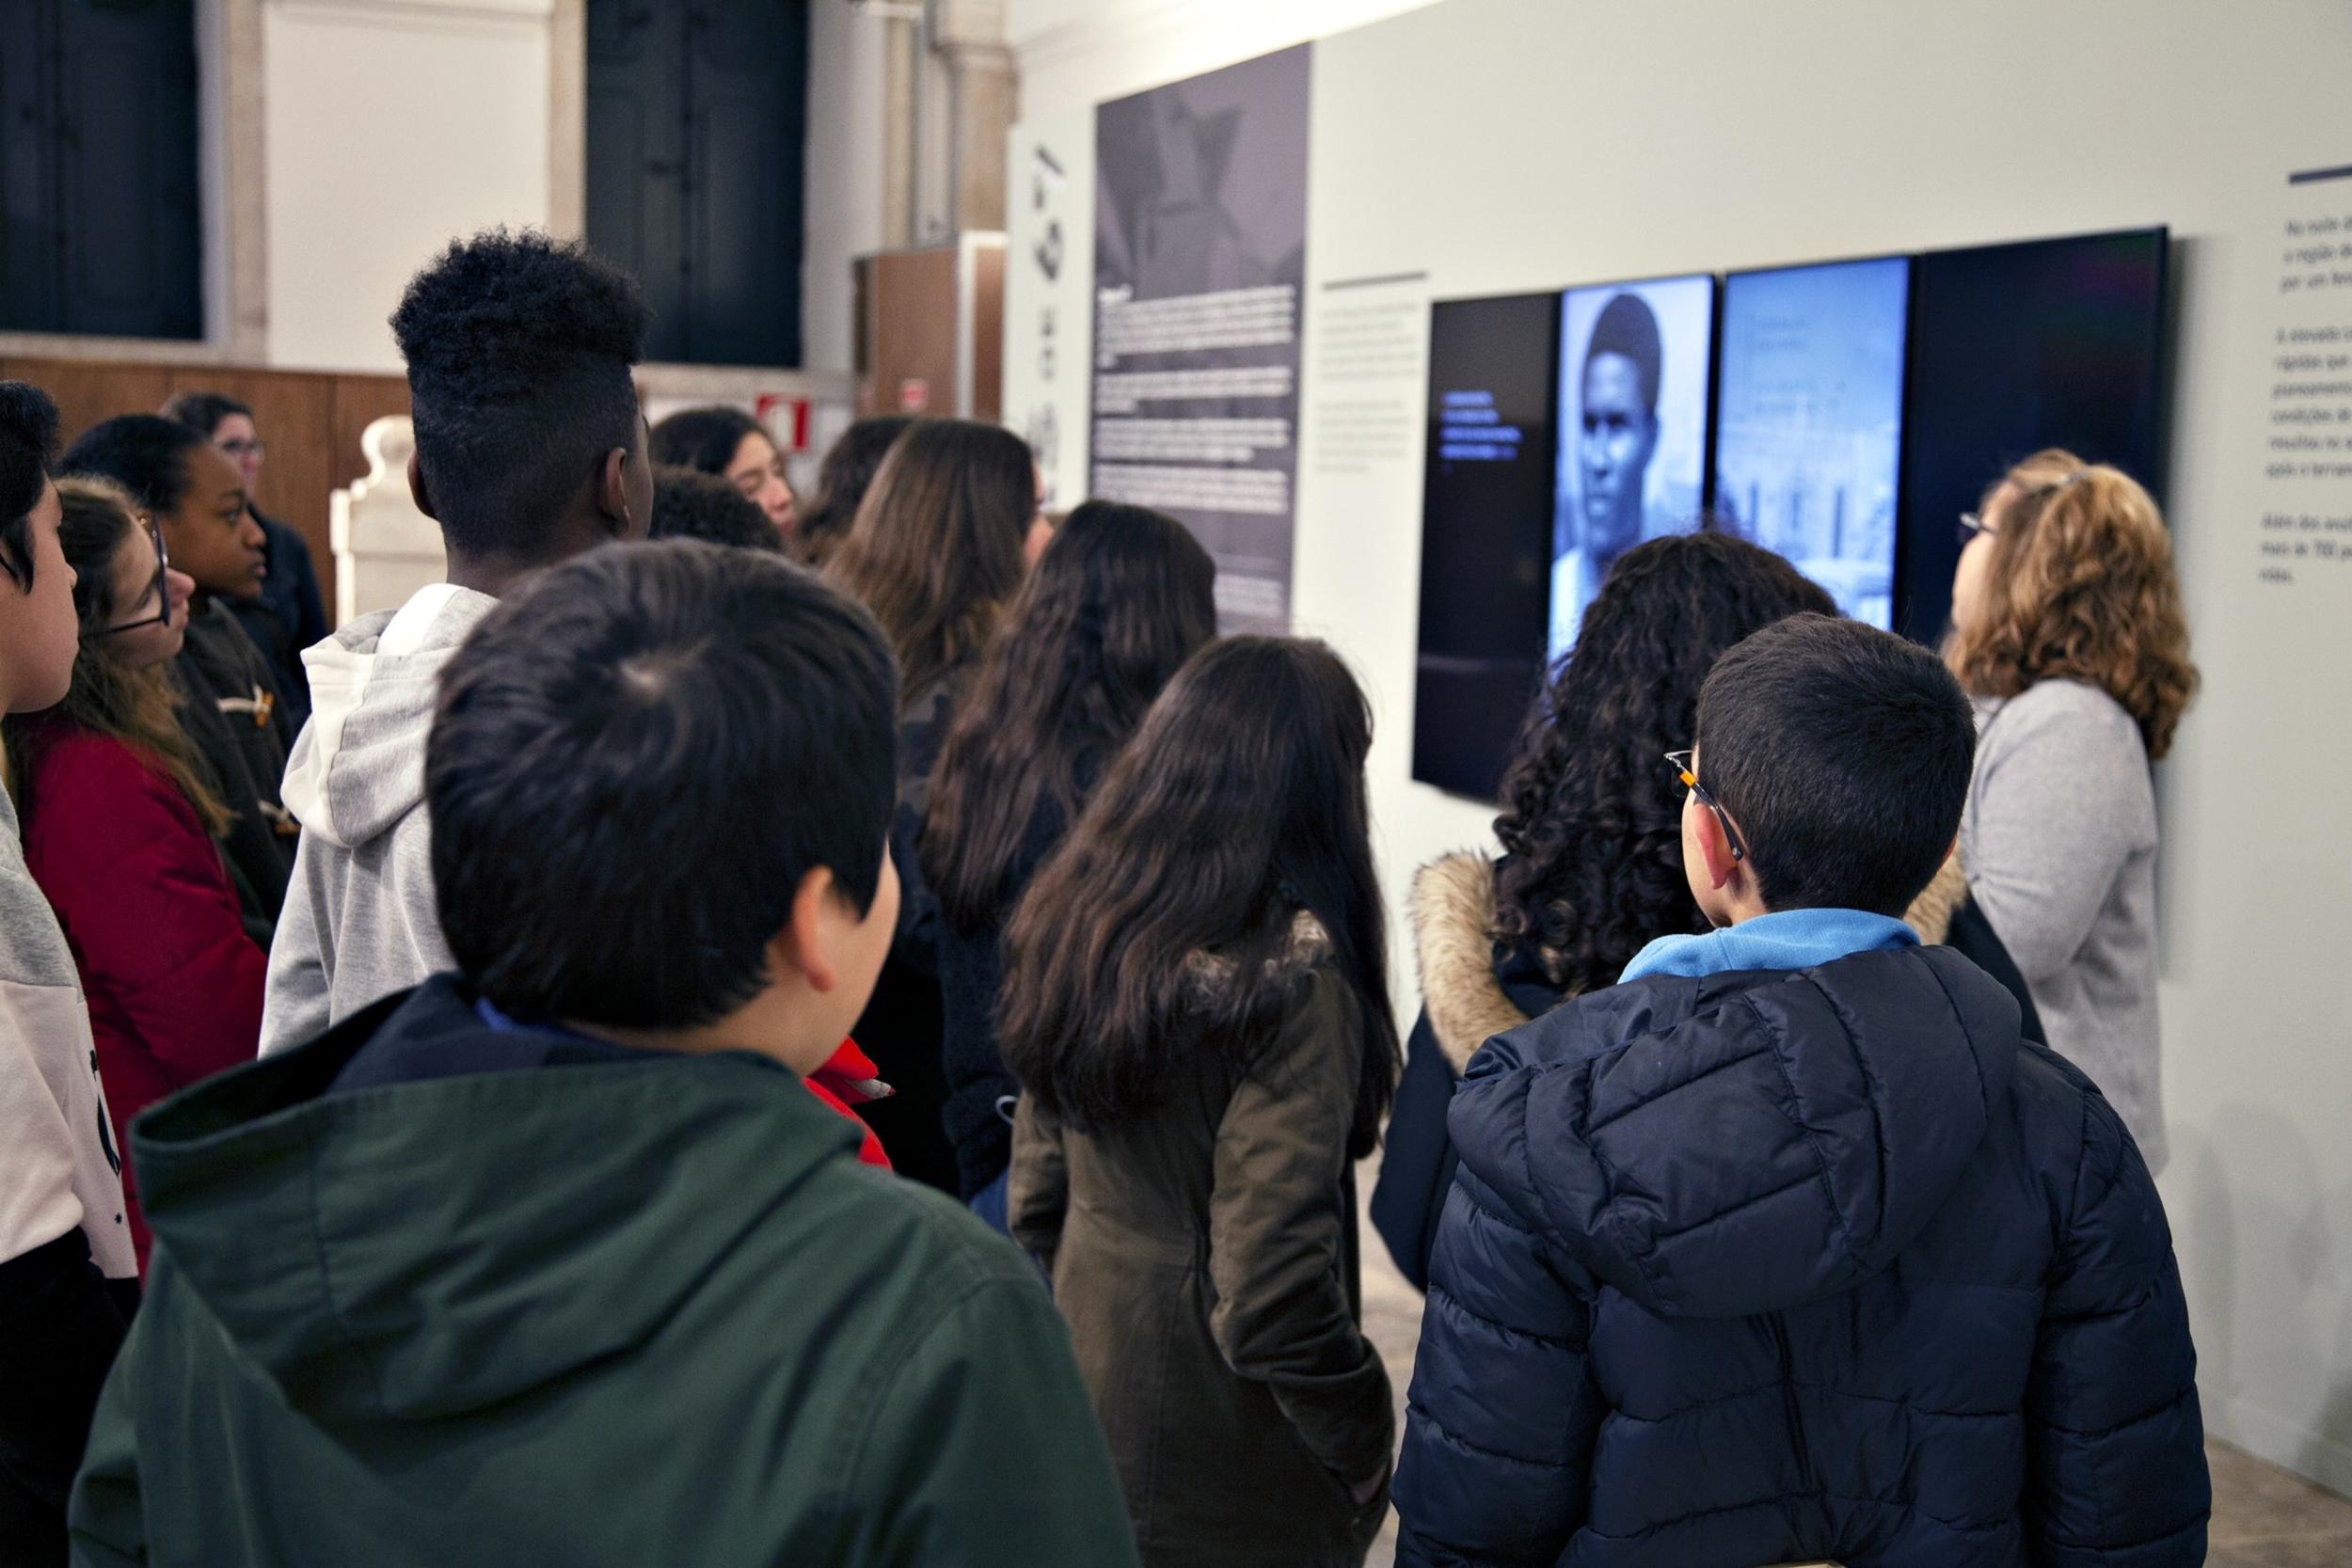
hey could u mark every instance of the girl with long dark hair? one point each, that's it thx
(1195, 1003)
(123, 828)
(1591, 834)
(1115, 605)
(936, 553)
(842, 480)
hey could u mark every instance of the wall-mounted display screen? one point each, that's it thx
(1842, 415)
(1486, 536)
(1810, 422)
(1633, 403)
(2013, 348)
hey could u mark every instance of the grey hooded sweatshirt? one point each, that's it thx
(360, 921)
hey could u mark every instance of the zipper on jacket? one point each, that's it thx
(1808, 1481)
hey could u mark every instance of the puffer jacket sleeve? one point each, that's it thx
(1498, 1431)
(2115, 1438)
(1281, 1315)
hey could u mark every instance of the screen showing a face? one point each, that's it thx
(1634, 403)
(1808, 422)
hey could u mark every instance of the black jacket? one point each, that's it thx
(970, 977)
(1468, 994)
(901, 1026)
(230, 709)
(287, 618)
(1768, 1267)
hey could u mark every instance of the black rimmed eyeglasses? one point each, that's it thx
(160, 590)
(1690, 779)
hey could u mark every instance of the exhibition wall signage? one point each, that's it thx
(1049, 296)
(1199, 270)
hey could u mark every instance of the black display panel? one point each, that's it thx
(2013, 348)
(1810, 422)
(1487, 532)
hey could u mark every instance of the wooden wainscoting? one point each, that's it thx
(310, 420)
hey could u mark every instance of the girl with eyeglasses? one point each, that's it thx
(123, 827)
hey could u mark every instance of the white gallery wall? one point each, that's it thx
(388, 130)
(380, 130)
(1076, 53)
(1493, 146)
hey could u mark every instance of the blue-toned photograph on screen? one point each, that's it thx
(1634, 403)
(1809, 430)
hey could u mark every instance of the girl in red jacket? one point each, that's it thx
(121, 829)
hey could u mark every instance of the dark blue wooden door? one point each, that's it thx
(696, 127)
(99, 221)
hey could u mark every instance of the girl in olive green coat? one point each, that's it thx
(1197, 1005)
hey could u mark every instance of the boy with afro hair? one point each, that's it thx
(530, 450)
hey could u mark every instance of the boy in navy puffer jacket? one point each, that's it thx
(1789, 1247)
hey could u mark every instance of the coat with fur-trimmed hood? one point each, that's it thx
(1469, 994)
(1203, 1251)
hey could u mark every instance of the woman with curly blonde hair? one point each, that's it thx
(2067, 630)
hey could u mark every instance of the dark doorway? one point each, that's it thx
(696, 125)
(97, 185)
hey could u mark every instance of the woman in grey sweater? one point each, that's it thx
(2067, 629)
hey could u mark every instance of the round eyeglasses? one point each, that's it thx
(160, 590)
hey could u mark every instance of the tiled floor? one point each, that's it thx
(2263, 1516)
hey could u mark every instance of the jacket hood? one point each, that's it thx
(430, 1247)
(1473, 996)
(1452, 909)
(1746, 1142)
(1213, 978)
(358, 766)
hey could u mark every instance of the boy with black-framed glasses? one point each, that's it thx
(1789, 1247)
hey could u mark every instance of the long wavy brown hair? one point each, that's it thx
(1120, 600)
(1592, 817)
(139, 707)
(848, 473)
(1239, 803)
(935, 550)
(2080, 587)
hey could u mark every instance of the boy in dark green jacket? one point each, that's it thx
(555, 1260)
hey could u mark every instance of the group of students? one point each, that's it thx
(691, 950)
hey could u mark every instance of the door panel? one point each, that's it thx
(98, 169)
(695, 130)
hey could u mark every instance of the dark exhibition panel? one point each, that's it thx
(1858, 407)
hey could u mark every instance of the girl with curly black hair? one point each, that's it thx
(1591, 867)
